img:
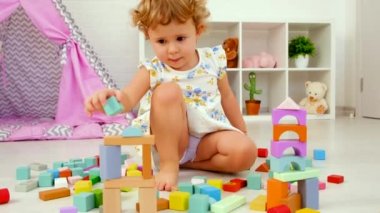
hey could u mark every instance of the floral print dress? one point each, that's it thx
(200, 92)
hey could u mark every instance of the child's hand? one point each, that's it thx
(96, 102)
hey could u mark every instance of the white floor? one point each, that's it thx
(352, 147)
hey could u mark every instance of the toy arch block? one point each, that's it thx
(278, 114)
(278, 129)
(285, 163)
(278, 148)
(146, 183)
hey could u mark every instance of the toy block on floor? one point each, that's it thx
(148, 199)
(279, 209)
(263, 168)
(26, 186)
(212, 192)
(278, 129)
(228, 204)
(262, 152)
(54, 194)
(94, 172)
(335, 179)
(110, 162)
(112, 106)
(179, 201)
(319, 154)
(133, 173)
(23, 173)
(322, 185)
(90, 161)
(4, 196)
(68, 209)
(231, 187)
(309, 190)
(61, 182)
(278, 114)
(241, 182)
(307, 210)
(199, 203)
(259, 203)
(198, 180)
(83, 186)
(286, 162)
(73, 179)
(65, 173)
(162, 204)
(77, 171)
(293, 201)
(186, 187)
(277, 148)
(98, 197)
(57, 164)
(84, 201)
(217, 183)
(254, 181)
(296, 175)
(132, 132)
(95, 180)
(45, 179)
(276, 192)
(38, 166)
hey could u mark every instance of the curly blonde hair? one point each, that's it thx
(150, 13)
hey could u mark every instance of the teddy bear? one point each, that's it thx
(315, 103)
(263, 60)
(230, 46)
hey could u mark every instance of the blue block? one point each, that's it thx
(112, 106)
(197, 188)
(110, 165)
(309, 190)
(319, 154)
(213, 192)
(54, 172)
(132, 132)
(199, 203)
(84, 201)
(45, 179)
(254, 181)
(186, 187)
(23, 173)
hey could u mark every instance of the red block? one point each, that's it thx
(335, 179)
(241, 182)
(279, 209)
(262, 152)
(231, 187)
(86, 178)
(65, 173)
(97, 160)
(4, 196)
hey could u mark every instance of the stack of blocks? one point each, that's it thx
(110, 171)
(287, 169)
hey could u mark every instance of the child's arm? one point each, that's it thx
(128, 97)
(230, 105)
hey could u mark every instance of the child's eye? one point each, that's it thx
(180, 38)
(161, 41)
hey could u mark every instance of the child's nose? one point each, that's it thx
(173, 48)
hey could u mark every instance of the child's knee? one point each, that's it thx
(245, 156)
(167, 93)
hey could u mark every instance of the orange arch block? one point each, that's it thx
(278, 129)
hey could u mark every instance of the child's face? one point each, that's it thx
(175, 44)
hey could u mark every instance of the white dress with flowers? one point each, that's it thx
(200, 92)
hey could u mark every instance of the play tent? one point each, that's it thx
(47, 69)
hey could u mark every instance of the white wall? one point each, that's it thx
(106, 23)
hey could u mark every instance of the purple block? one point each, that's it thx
(300, 115)
(68, 209)
(277, 148)
(309, 190)
(110, 165)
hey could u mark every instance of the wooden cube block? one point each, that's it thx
(179, 200)
(54, 194)
(83, 186)
(335, 179)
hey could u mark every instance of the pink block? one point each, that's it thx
(300, 115)
(277, 148)
(322, 185)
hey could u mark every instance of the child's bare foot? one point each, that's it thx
(166, 179)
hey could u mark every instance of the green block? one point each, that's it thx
(79, 164)
(77, 171)
(69, 164)
(94, 172)
(95, 180)
(112, 106)
(254, 181)
(98, 197)
(309, 162)
(57, 164)
(84, 201)
(296, 175)
(89, 161)
(186, 187)
(123, 157)
(23, 173)
(199, 203)
(45, 179)
(228, 204)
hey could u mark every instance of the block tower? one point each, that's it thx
(288, 168)
(110, 170)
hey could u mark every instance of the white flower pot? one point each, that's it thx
(302, 61)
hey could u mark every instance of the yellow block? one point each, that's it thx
(217, 183)
(259, 203)
(179, 200)
(83, 186)
(132, 166)
(126, 189)
(307, 210)
(134, 173)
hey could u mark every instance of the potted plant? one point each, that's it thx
(300, 48)
(252, 105)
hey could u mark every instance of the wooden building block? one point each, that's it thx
(319, 154)
(262, 152)
(263, 168)
(38, 166)
(147, 161)
(4, 195)
(26, 186)
(23, 173)
(113, 106)
(278, 114)
(278, 129)
(83, 186)
(231, 187)
(254, 181)
(186, 187)
(129, 182)
(133, 173)
(61, 182)
(111, 201)
(277, 148)
(335, 179)
(199, 204)
(148, 200)
(241, 182)
(110, 165)
(279, 209)
(162, 204)
(259, 203)
(293, 201)
(198, 180)
(296, 175)
(277, 191)
(179, 201)
(122, 141)
(228, 204)
(98, 193)
(212, 192)
(84, 201)
(309, 190)
(307, 210)
(68, 209)
(287, 163)
(45, 179)
(54, 193)
(217, 183)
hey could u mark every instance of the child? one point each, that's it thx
(188, 103)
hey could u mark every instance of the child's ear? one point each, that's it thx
(200, 29)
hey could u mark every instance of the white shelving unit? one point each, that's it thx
(283, 81)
